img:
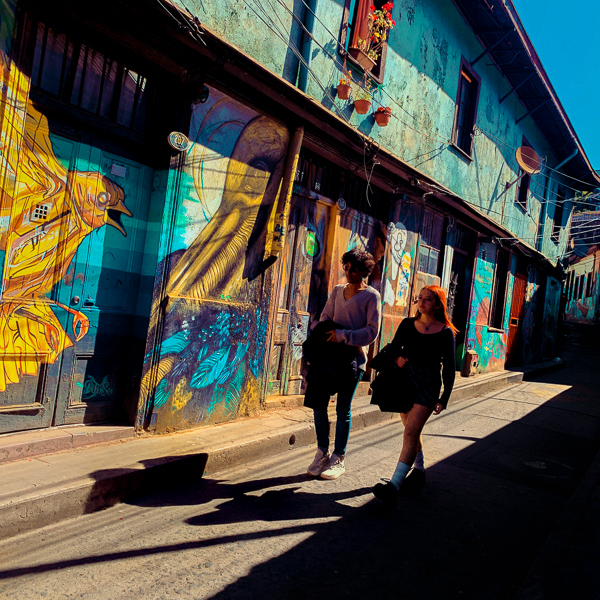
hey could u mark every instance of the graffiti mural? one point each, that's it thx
(584, 291)
(489, 345)
(399, 265)
(207, 364)
(46, 212)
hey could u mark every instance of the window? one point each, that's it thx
(558, 215)
(354, 26)
(588, 289)
(467, 98)
(522, 194)
(83, 77)
(499, 289)
(431, 243)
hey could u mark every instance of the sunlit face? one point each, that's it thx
(428, 302)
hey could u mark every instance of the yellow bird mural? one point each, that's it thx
(45, 213)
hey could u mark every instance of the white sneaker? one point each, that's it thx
(319, 463)
(334, 468)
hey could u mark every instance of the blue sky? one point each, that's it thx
(565, 37)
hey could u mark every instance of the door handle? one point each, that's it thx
(89, 302)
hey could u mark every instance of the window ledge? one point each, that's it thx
(461, 152)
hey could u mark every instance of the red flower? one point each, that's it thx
(372, 8)
(393, 23)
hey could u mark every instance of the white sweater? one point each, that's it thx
(360, 316)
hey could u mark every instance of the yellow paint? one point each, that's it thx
(180, 396)
(45, 213)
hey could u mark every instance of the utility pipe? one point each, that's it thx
(540, 239)
(306, 46)
(282, 213)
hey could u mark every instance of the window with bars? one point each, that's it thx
(499, 289)
(88, 79)
(431, 243)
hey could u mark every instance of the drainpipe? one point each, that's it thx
(306, 46)
(282, 212)
(540, 239)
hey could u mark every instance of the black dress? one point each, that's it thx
(430, 361)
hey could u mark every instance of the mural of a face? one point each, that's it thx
(214, 263)
(397, 235)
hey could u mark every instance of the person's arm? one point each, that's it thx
(329, 308)
(367, 334)
(400, 338)
(448, 367)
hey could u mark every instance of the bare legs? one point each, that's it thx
(413, 421)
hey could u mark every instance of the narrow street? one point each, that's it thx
(501, 470)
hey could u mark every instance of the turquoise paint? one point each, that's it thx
(420, 84)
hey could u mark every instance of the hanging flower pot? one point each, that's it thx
(343, 91)
(361, 58)
(362, 106)
(383, 116)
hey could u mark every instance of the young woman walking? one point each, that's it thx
(424, 345)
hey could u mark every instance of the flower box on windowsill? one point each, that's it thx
(361, 58)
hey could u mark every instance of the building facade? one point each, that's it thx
(180, 179)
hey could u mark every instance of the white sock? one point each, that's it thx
(399, 475)
(419, 461)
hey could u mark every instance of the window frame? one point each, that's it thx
(559, 213)
(466, 72)
(423, 242)
(524, 183)
(348, 34)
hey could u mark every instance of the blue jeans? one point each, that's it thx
(344, 418)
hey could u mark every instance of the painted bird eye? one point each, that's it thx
(102, 199)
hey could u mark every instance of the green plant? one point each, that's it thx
(380, 22)
(386, 110)
(364, 90)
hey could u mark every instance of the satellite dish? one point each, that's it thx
(528, 160)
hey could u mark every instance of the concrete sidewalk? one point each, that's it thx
(57, 474)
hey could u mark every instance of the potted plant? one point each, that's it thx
(383, 115)
(343, 88)
(368, 50)
(362, 102)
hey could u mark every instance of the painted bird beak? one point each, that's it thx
(112, 216)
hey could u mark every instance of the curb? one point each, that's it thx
(102, 489)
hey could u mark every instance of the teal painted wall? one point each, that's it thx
(420, 85)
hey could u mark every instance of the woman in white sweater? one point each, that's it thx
(355, 309)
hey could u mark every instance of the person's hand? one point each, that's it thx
(331, 337)
(401, 361)
(438, 409)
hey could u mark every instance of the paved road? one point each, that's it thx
(502, 468)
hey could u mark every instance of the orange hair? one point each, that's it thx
(441, 312)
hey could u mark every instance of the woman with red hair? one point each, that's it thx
(424, 346)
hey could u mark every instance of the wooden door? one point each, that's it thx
(302, 293)
(515, 326)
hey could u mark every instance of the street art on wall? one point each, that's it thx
(489, 345)
(206, 366)
(399, 264)
(45, 213)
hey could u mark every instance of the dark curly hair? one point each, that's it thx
(363, 262)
